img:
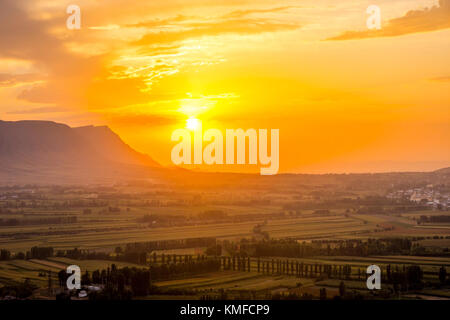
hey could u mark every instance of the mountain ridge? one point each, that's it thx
(50, 150)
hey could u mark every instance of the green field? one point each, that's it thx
(106, 218)
(122, 230)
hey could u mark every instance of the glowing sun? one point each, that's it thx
(193, 123)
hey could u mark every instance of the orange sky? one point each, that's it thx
(346, 99)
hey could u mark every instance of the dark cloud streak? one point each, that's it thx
(202, 29)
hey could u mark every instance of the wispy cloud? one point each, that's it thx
(141, 119)
(201, 29)
(9, 80)
(441, 79)
(242, 13)
(39, 110)
(180, 19)
(235, 22)
(414, 21)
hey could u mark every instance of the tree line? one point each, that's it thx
(37, 221)
(125, 283)
(293, 249)
(434, 219)
(402, 279)
(33, 253)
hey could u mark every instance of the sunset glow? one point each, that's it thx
(224, 159)
(346, 99)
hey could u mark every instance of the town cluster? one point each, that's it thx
(429, 196)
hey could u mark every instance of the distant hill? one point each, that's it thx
(443, 171)
(45, 151)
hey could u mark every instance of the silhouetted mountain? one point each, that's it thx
(44, 151)
(109, 144)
